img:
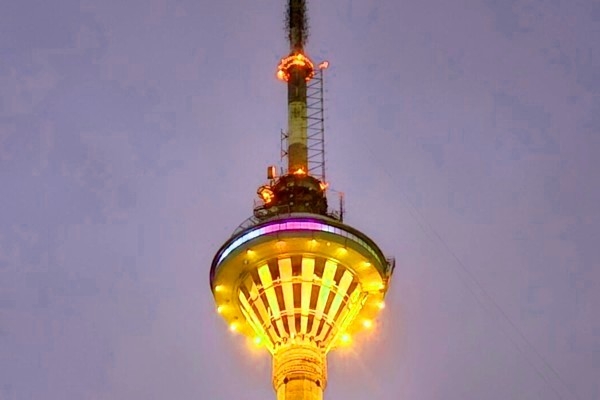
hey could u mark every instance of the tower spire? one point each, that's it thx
(297, 25)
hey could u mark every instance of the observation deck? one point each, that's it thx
(299, 278)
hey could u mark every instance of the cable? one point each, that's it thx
(429, 230)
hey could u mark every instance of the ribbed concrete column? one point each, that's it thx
(299, 373)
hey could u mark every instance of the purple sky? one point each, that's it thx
(465, 135)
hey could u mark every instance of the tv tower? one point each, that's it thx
(294, 277)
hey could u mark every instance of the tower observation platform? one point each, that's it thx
(294, 277)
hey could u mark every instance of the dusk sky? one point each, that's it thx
(464, 134)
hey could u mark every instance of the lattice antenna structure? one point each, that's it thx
(315, 125)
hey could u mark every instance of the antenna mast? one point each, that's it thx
(297, 69)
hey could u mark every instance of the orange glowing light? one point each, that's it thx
(324, 65)
(266, 194)
(300, 171)
(368, 323)
(298, 60)
(323, 185)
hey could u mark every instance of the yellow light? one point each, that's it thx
(323, 185)
(367, 264)
(281, 75)
(345, 338)
(250, 252)
(367, 323)
(233, 327)
(220, 309)
(219, 288)
(342, 250)
(381, 305)
(257, 340)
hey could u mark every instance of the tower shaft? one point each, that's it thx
(299, 373)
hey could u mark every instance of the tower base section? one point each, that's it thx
(299, 372)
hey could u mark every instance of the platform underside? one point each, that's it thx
(300, 298)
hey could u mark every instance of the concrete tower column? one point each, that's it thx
(299, 373)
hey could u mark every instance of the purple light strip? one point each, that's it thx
(293, 226)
